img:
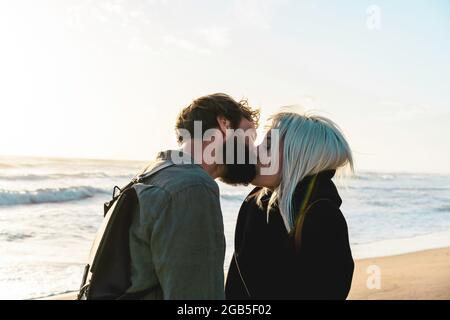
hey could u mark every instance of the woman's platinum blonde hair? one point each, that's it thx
(309, 144)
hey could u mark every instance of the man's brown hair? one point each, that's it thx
(207, 108)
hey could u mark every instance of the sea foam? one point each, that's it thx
(11, 198)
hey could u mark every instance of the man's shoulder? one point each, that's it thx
(187, 181)
(178, 178)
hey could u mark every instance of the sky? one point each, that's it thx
(106, 79)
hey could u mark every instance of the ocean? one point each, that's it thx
(50, 210)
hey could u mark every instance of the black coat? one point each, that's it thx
(277, 265)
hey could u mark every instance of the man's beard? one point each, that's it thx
(238, 173)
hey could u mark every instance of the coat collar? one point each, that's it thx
(315, 187)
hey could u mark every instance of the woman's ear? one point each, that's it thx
(224, 124)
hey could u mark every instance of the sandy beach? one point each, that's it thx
(421, 275)
(417, 276)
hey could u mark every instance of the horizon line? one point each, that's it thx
(361, 170)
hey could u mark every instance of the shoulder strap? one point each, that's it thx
(315, 202)
(154, 168)
(240, 275)
(301, 219)
(149, 171)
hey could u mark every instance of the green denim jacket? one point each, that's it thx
(177, 241)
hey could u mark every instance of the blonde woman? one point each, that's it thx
(291, 238)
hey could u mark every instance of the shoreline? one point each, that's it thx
(421, 275)
(400, 246)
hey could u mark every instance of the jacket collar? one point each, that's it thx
(320, 186)
(315, 187)
(176, 156)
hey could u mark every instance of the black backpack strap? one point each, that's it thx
(149, 171)
(152, 169)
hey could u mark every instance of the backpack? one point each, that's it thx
(107, 275)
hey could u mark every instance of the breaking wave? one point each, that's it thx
(83, 175)
(48, 195)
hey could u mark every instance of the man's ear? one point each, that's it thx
(224, 124)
